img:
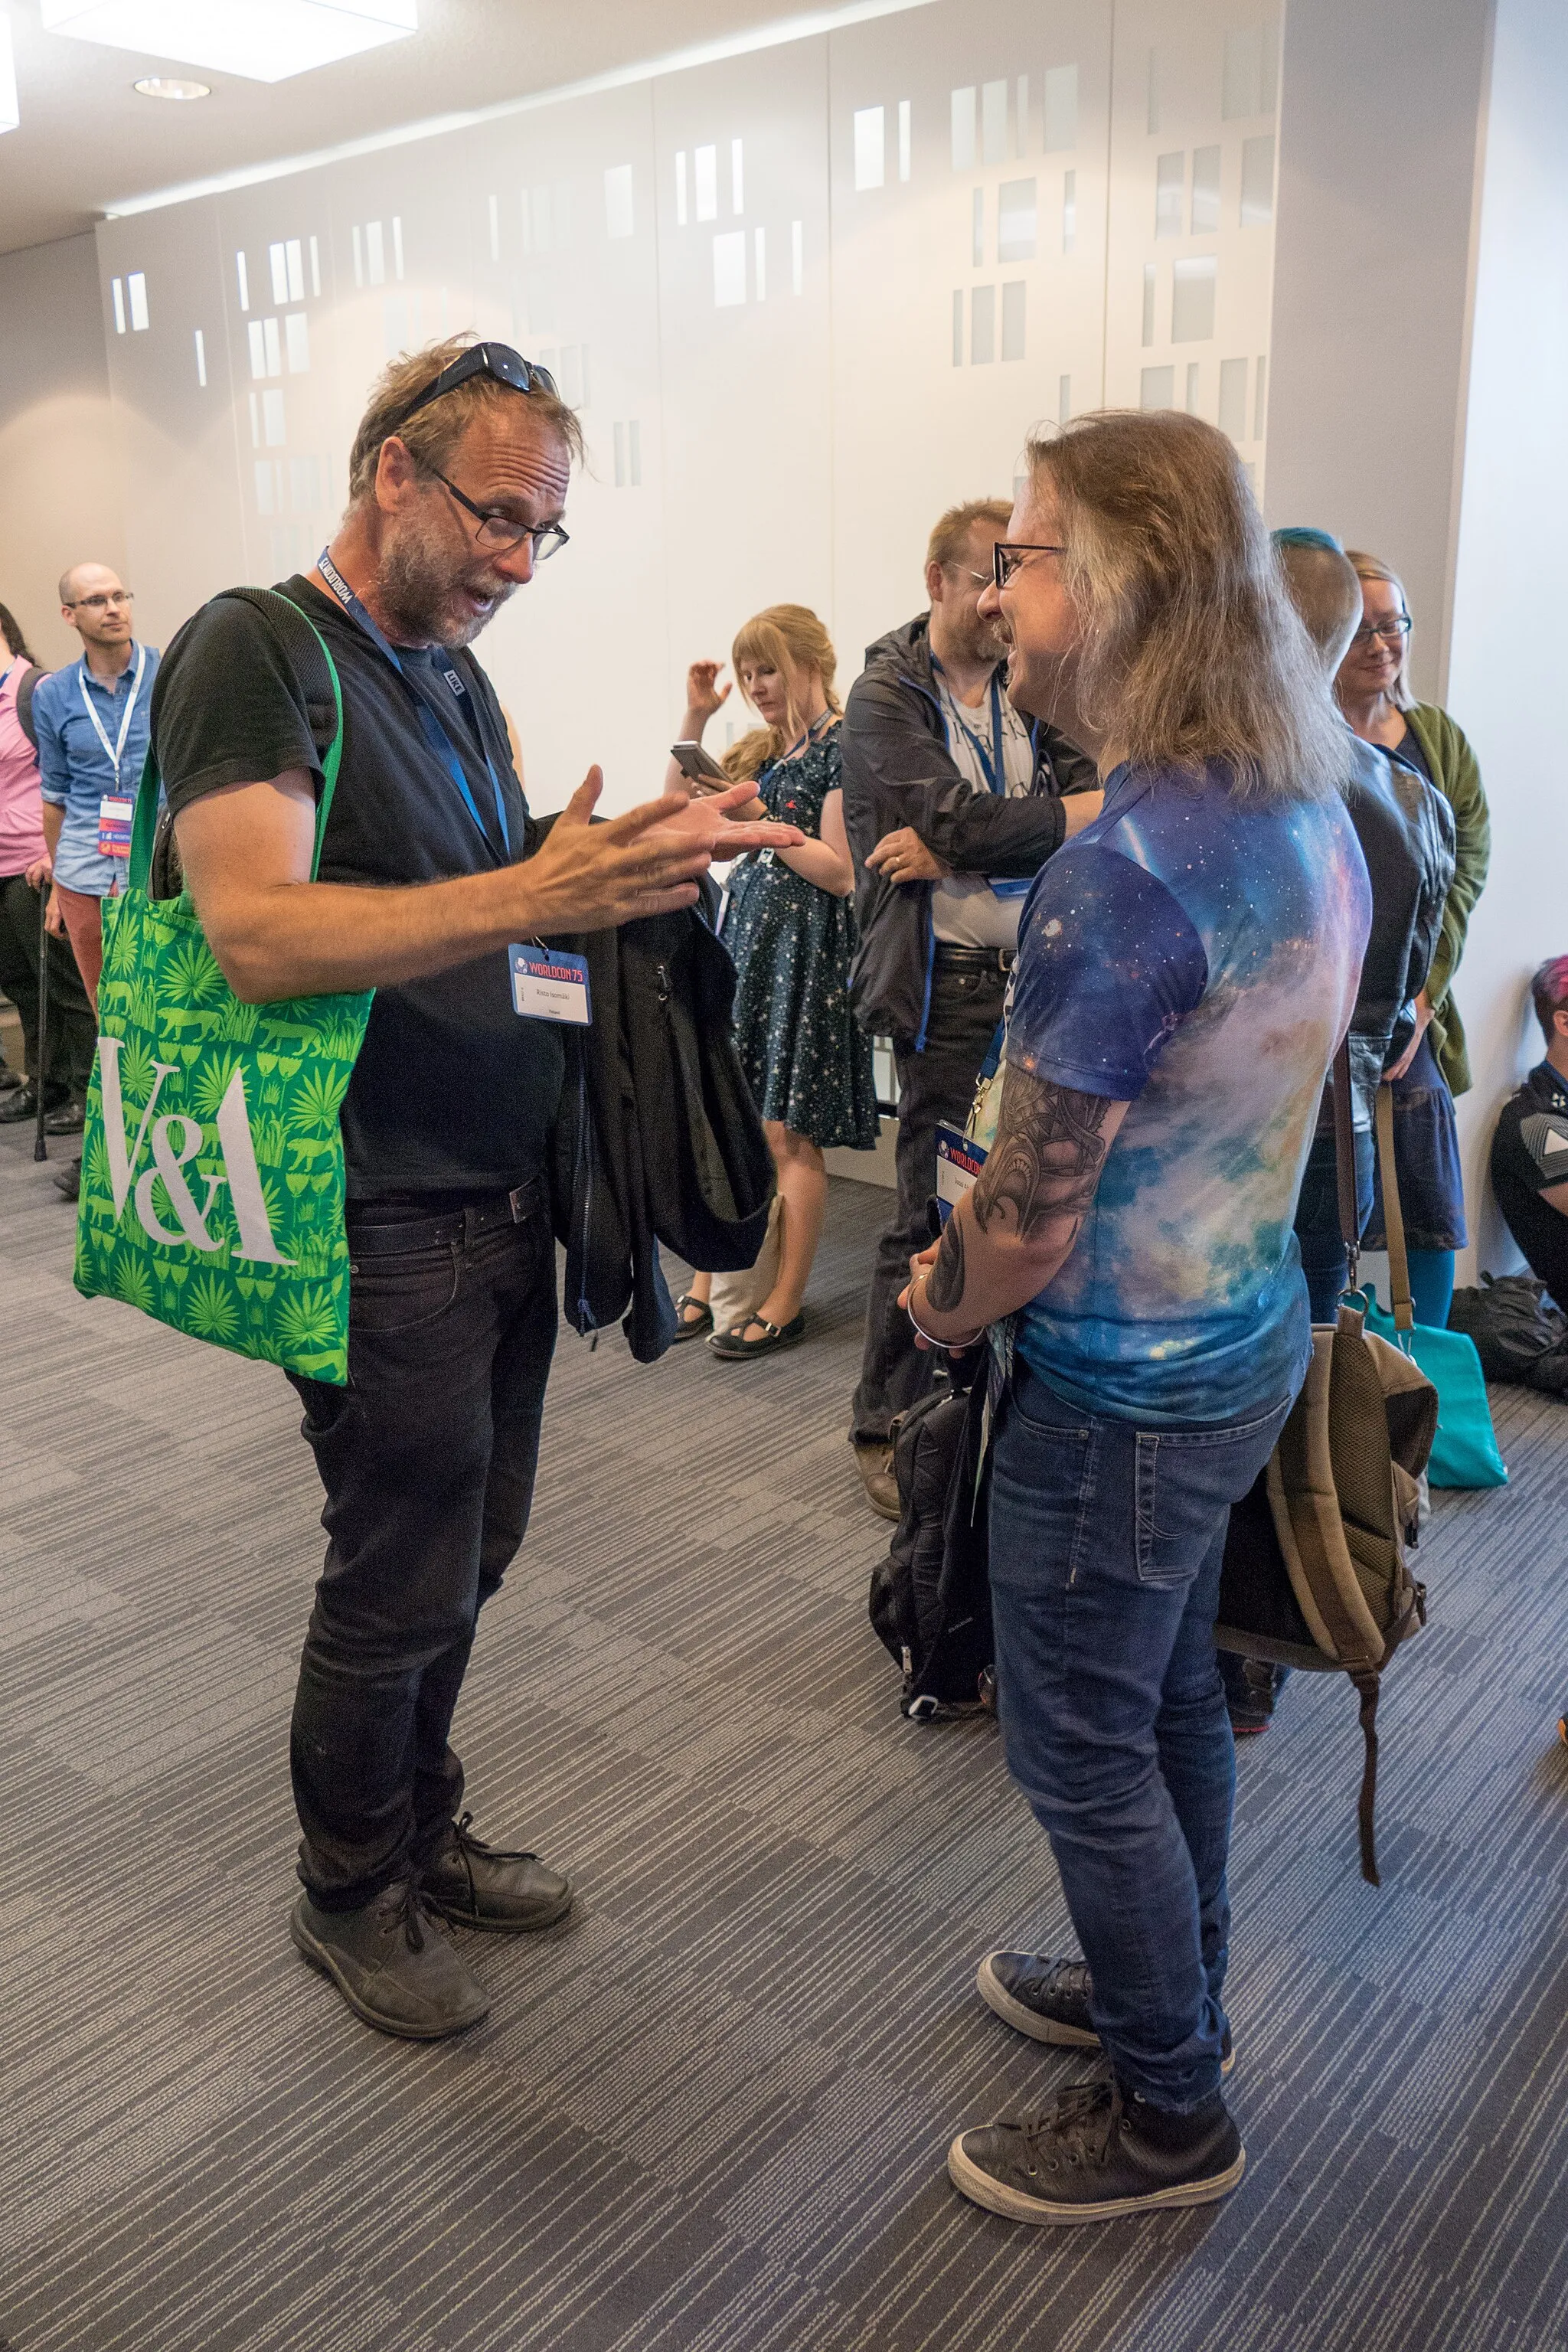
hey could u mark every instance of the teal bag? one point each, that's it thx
(1464, 1452)
(1465, 1449)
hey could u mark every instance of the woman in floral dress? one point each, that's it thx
(789, 923)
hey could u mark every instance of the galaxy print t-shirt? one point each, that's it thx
(1196, 957)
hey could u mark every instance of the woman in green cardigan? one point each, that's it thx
(1374, 689)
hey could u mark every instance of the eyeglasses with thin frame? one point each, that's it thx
(498, 534)
(1009, 556)
(99, 603)
(1392, 633)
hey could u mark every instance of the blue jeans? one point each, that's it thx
(1323, 1260)
(1106, 1544)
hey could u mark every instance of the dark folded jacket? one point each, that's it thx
(1406, 833)
(657, 1139)
(898, 771)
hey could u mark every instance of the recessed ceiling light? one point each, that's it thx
(265, 40)
(161, 86)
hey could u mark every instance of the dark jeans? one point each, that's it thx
(73, 1032)
(935, 1087)
(1323, 1259)
(1106, 1543)
(1425, 1161)
(428, 1457)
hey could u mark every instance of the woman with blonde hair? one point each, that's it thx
(1374, 693)
(1187, 965)
(789, 923)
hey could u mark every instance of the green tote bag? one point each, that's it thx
(212, 1175)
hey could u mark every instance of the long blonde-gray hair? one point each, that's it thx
(1193, 655)
(786, 638)
(1373, 567)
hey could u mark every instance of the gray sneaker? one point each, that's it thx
(1047, 1999)
(393, 1964)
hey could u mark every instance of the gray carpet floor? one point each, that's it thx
(709, 2112)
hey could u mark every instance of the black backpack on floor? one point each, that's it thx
(1520, 1334)
(930, 1598)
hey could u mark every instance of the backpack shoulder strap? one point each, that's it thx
(308, 657)
(25, 685)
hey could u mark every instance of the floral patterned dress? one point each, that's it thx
(808, 1061)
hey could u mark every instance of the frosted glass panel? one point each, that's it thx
(1157, 388)
(1170, 180)
(869, 159)
(963, 109)
(1206, 191)
(730, 270)
(1232, 398)
(1016, 222)
(1193, 300)
(1061, 108)
(1015, 314)
(982, 325)
(1257, 181)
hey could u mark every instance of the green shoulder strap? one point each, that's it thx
(145, 825)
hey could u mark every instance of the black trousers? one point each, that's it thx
(73, 1032)
(427, 1458)
(936, 1087)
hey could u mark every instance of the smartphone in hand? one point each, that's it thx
(698, 767)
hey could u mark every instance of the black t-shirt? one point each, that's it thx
(1529, 1154)
(452, 1092)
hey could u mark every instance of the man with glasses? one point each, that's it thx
(952, 800)
(92, 723)
(431, 867)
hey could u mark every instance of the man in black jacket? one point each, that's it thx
(953, 802)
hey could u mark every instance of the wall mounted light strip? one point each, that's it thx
(737, 45)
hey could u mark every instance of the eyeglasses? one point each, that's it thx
(499, 533)
(498, 360)
(99, 603)
(1391, 632)
(1009, 557)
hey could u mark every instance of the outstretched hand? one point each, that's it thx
(588, 878)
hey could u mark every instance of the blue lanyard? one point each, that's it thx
(992, 763)
(436, 730)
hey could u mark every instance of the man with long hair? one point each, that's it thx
(1186, 968)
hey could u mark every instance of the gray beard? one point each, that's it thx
(416, 587)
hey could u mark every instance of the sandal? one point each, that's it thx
(732, 1347)
(700, 1323)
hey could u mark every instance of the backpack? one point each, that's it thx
(24, 687)
(930, 1598)
(1315, 1572)
(1519, 1334)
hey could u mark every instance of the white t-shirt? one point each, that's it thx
(965, 911)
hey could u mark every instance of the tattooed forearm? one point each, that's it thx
(1046, 1161)
(944, 1285)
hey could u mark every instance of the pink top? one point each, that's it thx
(21, 806)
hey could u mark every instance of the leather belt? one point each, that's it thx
(392, 1229)
(955, 959)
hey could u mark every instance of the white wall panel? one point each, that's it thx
(932, 392)
(183, 527)
(745, 386)
(1189, 272)
(804, 299)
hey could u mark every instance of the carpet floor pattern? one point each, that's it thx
(709, 2111)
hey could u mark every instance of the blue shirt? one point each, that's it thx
(74, 768)
(1195, 955)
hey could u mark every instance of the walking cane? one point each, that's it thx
(40, 1149)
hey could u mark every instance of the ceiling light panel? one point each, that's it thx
(262, 40)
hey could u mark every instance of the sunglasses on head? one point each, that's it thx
(498, 360)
